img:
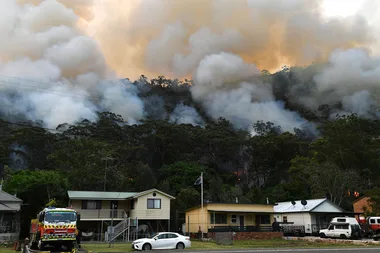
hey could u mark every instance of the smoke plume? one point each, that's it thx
(78, 49)
(52, 71)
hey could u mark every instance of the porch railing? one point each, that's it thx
(241, 229)
(102, 213)
(10, 228)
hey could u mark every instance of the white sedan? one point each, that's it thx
(164, 240)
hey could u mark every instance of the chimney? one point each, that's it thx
(237, 200)
(267, 201)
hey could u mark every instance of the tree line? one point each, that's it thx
(280, 166)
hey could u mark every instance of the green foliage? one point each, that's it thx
(273, 165)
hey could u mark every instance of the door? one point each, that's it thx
(115, 207)
(330, 231)
(160, 242)
(241, 220)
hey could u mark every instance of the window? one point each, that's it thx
(154, 203)
(331, 227)
(372, 221)
(233, 218)
(172, 236)
(378, 221)
(285, 219)
(218, 218)
(262, 219)
(341, 220)
(91, 204)
(132, 204)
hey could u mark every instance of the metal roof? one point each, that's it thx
(288, 207)
(6, 197)
(98, 195)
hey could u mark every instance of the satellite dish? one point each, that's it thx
(304, 202)
(293, 203)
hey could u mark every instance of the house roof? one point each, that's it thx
(98, 195)
(6, 197)
(152, 190)
(288, 207)
(5, 207)
(362, 197)
(234, 204)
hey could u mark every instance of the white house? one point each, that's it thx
(10, 207)
(149, 211)
(314, 214)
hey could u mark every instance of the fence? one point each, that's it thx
(241, 229)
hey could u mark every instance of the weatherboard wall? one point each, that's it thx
(142, 212)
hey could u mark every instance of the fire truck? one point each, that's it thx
(55, 229)
(370, 226)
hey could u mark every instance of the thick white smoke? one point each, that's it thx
(221, 84)
(51, 71)
(71, 45)
(184, 114)
(351, 76)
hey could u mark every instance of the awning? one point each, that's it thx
(239, 211)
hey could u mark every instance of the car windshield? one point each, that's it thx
(153, 235)
(57, 216)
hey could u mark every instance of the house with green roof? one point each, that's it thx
(125, 216)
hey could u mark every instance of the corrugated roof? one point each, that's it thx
(6, 197)
(98, 195)
(4, 207)
(288, 207)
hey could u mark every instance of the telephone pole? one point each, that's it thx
(105, 170)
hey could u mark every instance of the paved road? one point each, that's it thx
(340, 250)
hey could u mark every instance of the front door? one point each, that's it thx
(241, 220)
(115, 205)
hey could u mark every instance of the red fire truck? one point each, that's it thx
(370, 226)
(54, 228)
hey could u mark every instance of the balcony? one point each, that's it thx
(101, 214)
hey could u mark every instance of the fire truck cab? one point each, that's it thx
(55, 228)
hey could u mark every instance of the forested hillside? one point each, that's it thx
(341, 157)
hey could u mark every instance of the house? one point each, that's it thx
(10, 207)
(362, 205)
(316, 214)
(130, 214)
(226, 216)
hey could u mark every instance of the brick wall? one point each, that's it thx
(252, 235)
(358, 205)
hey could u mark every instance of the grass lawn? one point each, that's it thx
(7, 250)
(277, 243)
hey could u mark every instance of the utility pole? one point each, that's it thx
(105, 170)
(111, 236)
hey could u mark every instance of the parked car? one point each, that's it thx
(341, 230)
(163, 240)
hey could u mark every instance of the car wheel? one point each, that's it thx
(180, 245)
(146, 246)
(343, 237)
(322, 235)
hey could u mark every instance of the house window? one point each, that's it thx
(91, 204)
(262, 219)
(218, 218)
(132, 204)
(285, 219)
(154, 203)
(234, 218)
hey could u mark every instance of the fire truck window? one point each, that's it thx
(378, 220)
(60, 216)
(372, 221)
